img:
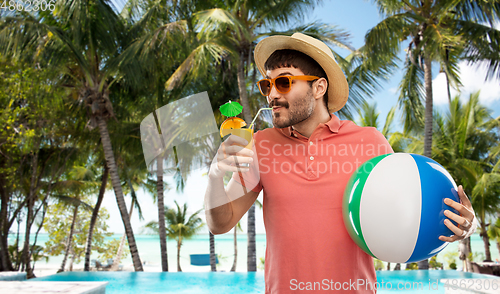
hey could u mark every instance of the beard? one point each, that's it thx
(300, 110)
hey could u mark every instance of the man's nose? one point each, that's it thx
(273, 94)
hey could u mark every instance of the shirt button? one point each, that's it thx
(310, 142)
(311, 158)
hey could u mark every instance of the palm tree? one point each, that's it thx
(464, 143)
(167, 34)
(69, 238)
(119, 252)
(368, 117)
(494, 232)
(93, 220)
(180, 226)
(235, 261)
(440, 31)
(80, 181)
(87, 47)
(486, 199)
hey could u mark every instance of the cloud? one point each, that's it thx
(472, 77)
(394, 90)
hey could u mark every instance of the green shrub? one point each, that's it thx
(411, 266)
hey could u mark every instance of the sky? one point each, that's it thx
(357, 17)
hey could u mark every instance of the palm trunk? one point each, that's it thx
(424, 264)
(69, 243)
(233, 268)
(18, 256)
(73, 257)
(115, 180)
(93, 219)
(498, 245)
(242, 87)
(119, 252)
(486, 241)
(5, 262)
(29, 216)
(397, 267)
(161, 214)
(448, 87)
(428, 107)
(213, 260)
(388, 266)
(44, 212)
(469, 255)
(179, 243)
(251, 254)
(464, 250)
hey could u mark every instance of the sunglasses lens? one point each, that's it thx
(265, 87)
(282, 84)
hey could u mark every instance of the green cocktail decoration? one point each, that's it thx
(231, 108)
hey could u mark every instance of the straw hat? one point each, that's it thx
(338, 90)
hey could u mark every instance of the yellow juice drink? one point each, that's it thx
(246, 134)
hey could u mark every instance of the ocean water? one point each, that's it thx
(149, 251)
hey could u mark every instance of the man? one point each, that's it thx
(303, 165)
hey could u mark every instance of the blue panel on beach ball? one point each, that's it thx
(437, 185)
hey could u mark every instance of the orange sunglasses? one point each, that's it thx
(283, 84)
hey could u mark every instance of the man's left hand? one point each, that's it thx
(466, 220)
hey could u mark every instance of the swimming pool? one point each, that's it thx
(168, 282)
(226, 282)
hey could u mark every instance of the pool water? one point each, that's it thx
(423, 281)
(168, 282)
(229, 282)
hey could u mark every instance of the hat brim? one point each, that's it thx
(338, 89)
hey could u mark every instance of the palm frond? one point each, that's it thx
(411, 97)
(330, 34)
(214, 21)
(365, 74)
(388, 121)
(197, 62)
(482, 45)
(73, 201)
(481, 11)
(391, 7)
(273, 14)
(385, 38)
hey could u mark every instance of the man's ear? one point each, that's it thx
(320, 87)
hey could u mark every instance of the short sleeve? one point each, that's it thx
(381, 143)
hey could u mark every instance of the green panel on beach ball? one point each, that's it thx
(352, 200)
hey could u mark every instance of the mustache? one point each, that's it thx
(279, 104)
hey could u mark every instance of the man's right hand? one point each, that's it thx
(232, 156)
(225, 206)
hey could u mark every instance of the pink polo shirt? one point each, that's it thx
(308, 248)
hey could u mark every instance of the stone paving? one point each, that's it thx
(469, 286)
(12, 276)
(14, 287)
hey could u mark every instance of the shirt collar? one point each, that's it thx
(333, 125)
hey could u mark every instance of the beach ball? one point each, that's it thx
(393, 207)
